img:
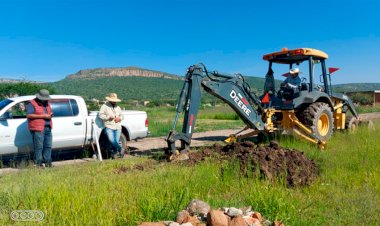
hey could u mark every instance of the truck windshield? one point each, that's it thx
(4, 103)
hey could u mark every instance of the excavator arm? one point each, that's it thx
(231, 89)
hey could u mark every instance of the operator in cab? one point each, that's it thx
(293, 80)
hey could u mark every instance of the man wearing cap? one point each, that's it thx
(293, 80)
(39, 114)
(112, 116)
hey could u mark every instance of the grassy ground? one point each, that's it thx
(368, 109)
(347, 192)
(209, 118)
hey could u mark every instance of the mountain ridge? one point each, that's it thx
(121, 72)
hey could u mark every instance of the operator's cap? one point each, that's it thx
(294, 71)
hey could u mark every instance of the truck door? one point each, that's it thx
(68, 124)
(14, 133)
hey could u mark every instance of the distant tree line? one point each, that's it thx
(22, 89)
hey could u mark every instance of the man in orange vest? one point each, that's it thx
(39, 114)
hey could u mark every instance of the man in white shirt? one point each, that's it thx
(293, 80)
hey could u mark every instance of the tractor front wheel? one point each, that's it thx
(351, 123)
(319, 118)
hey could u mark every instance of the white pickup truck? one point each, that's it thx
(73, 126)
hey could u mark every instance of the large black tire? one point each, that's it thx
(319, 118)
(351, 123)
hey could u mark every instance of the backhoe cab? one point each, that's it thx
(312, 104)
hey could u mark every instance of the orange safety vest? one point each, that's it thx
(39, 124)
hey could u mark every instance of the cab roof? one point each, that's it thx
(286, 56)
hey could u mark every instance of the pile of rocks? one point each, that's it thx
(199, 213)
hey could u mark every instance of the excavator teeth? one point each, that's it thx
(231, 139)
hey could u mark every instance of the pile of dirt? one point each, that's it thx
(270, 161)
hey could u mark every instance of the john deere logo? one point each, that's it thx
(27, 215)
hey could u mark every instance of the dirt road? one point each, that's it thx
(199, 139)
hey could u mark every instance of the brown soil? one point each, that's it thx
(269, 162)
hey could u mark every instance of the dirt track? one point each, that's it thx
(199, 139)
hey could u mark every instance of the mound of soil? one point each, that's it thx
(268, 161)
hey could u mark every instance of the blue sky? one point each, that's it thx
(46, 40)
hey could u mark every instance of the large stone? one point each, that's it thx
(174, 224)
(257, 215)
(252, 221)
(182, 216)
(233, 212)
(193, 219)
(278, 223)
(152, 224)
(198, 207)
(217, 218)
(238, 221)
(246, 209)
(187, 224)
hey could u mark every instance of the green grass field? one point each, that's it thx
(209, 118)
(347, 191)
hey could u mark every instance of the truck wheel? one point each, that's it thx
(106, 146)
(123, 141)
(319, 118)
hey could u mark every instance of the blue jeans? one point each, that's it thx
(42, 142)
(114, 137)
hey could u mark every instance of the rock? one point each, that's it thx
(249, 213)
(246, 210)
(193, 220)
(174, 224)
(238, 221)
(267, 223)
(217, 218)
(152, 224)
(182, 216)
(233, 212)
(187, 224)
(198, 207)
(251, 221)
(257, 215)
(278, 223)
(225, 209)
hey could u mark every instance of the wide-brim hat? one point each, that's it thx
(294, 71)
(43, 94)
(112, 97)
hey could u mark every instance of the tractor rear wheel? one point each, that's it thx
(319, 118)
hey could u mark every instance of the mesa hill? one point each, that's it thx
(121, 72)
(131, 84)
